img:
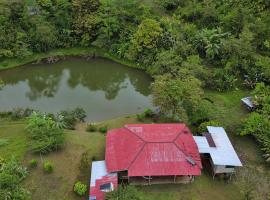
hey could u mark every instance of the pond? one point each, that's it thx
(104, 89)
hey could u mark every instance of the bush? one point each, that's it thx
(124, 192)
(103, 129)
(79, 114)
(45, 135)
(140, 117)
(202, 128)
(11, 175)
(33, 163)
(91, 127)
(70, 118)
(80, 188)
(20, 113)
(222, 80)
(148, 113)
(48, 167)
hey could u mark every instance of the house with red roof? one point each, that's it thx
(149, 154)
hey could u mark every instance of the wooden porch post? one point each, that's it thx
(174, 178)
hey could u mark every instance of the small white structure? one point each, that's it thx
(217, 146)
(248, 102)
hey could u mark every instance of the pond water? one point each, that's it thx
(105, 89)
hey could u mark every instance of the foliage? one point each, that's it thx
(48, 167)
(33, 163)
(11, 176)
(124, 192)
(248, 179)
(166, 62)
(2, 84)
(20, 113)
(91, 127)
(80, 188)
(177, 97)
(209, 41)
(170, 4)
(45, 135)
(261, 95)
(68, 119)
(203, 126)
(257, 123)
(221, 80)
(147, 113)
(146, 38)
(103, 129)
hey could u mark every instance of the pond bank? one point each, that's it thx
(75, 51)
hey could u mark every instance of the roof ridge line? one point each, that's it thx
(139, 152)
(134, 134)
(179, 134)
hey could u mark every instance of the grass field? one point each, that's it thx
(73, 161)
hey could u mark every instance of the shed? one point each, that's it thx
(248, 102)
(223, 157)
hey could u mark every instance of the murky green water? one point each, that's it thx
(103, 88)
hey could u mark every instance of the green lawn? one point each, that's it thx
(73, 161)
(14, 135)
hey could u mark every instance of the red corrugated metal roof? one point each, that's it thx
(152, 150)
(95, 190)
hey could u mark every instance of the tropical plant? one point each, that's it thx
(11, 176)
(209, 42)
(80, 188)
(48, 167)
(45, 135)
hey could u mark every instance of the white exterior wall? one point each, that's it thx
(218, 169)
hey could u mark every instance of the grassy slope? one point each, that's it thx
(76, 51)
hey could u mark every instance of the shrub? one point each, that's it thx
(70, 118)
(202, 128)
(222, 80)
(124, 192)
(5, 114)
(91, 127)
(79, 114)
(140, 117)
(80, 188)
(33, 163)
(11, 175)
(17, 113)
(45, 135)
(20, 113)
(103, 129)
(148, 113)
(48, 167)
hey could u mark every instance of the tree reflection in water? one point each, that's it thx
(40, 83)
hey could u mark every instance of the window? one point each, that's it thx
(107, 187)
